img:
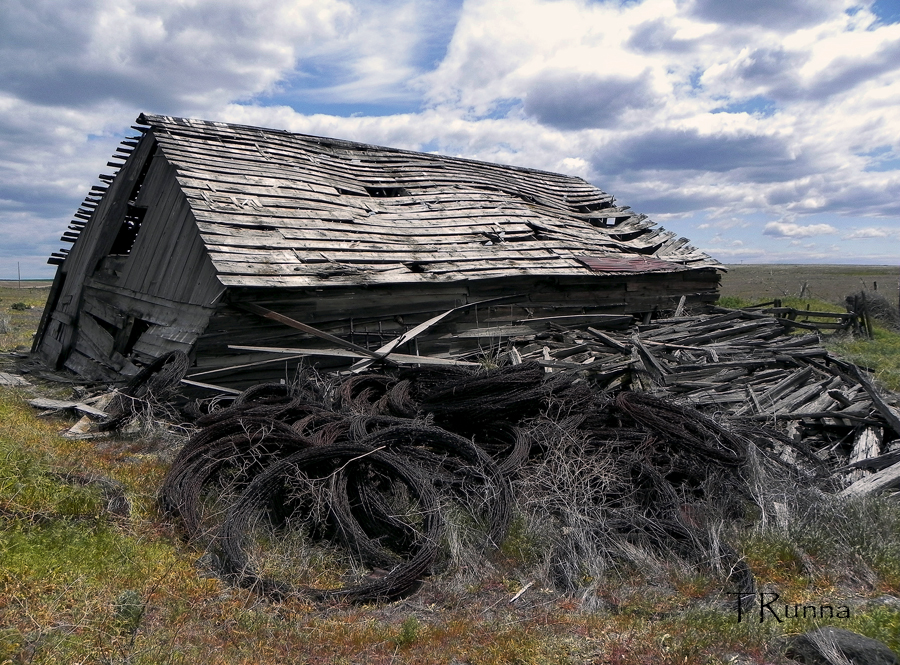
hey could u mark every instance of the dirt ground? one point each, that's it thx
(831, 283)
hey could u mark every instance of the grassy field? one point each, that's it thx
(20, 313)
(83, 580)
(829, 283)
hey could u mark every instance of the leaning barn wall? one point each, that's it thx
(137, 282)
(372, 316)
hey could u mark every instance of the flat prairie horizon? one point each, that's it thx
(828, 282)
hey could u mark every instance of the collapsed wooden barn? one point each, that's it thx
(213, 235)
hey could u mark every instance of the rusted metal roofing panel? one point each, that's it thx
(625, 263)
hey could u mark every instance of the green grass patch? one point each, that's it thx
(521, 547)
(881, 354)
(30, 486)
(91, 553)
(828, 543)
(880, 623)
(29, 489)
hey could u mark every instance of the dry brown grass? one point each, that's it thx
(17, 325)
(831, 283)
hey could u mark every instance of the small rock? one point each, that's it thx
(885, 601)
(837, 646)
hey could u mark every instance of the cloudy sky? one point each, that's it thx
(764, 130)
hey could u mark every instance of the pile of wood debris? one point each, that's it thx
(744, 365)
(677, 409)
(735, 365)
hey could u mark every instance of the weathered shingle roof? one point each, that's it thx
(276, 208)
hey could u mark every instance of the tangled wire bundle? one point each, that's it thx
(154, 383)
(333, 463)
(684, 427)
(374, 464)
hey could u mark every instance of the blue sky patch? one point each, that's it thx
(754, 106)
(884, 165)
(342, 109)
(441, 18)
(502, 108)
(432, 146)
(881, 159)
(695, 79)
(887, 10)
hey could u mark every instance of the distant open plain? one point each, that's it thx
(831, 283)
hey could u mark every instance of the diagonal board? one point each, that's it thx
(412, 333)
(888, 413)
(399, 358)
(288, 321)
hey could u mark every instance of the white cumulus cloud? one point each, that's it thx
(872, 232)
(791, 230)
(709, 115)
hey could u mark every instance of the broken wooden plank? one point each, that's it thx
(840, 398)
(606, 320)
(768, 398)
(754, 399)
(400, 358)
(809, 325)
(890, 414)
(498, 332)
(874, 463)
(879, 481)
(231, 368)
(12, 380)
(609, 341)
(656, 369)
(210, 386)
(791, 310)
(275, 316)
(411, 334)
(550, 364)
(815, 415)
(81, 429)
(64, 405)
(514, 357)
(867, 445)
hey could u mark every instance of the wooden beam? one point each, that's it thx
(59, 405)
(890, 414)
(231, 368)
(411, 334)
(867, 445)
(281, 318)
(877, 482)
(609, 341)
(400, 358)
(210, 386)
